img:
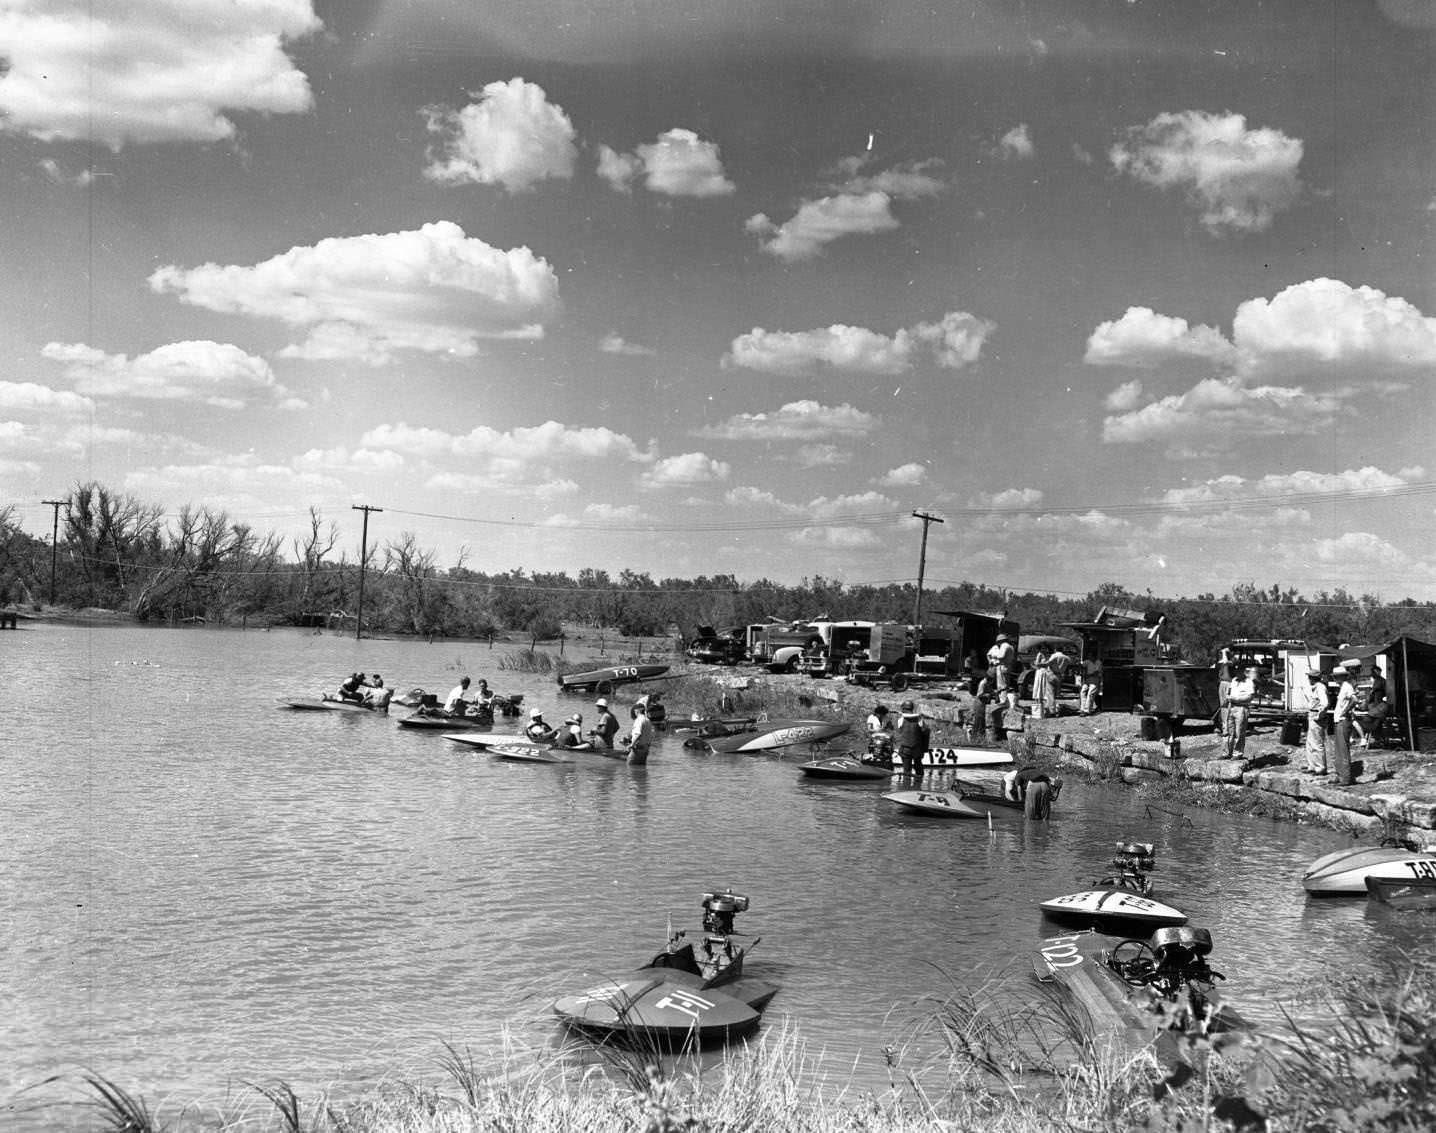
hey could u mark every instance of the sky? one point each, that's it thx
(1133, 291)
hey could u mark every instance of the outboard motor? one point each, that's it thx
(719, 909)
(1140, 856)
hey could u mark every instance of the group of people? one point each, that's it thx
(904, 742)
(601, 737)
(359, 689)
(1340, 719)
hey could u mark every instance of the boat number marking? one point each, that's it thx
(686, 1002)
(1061, 952)
(627, 671)
(789, 735)
(941, 800)
(1422, 867)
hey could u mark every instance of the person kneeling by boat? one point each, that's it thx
(353, 687)
(1036, 800)
(538, 730)
(912, 739)
(641, 737)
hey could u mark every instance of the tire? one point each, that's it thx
(899, 682)
(604, 688)
(791, 666)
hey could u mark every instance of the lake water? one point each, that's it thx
(199, 888)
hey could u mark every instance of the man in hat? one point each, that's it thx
(1239, 704)
(640, 737)
(1342, 717)
(538, 730)
(1318, 704)
(607, 725)
(1002, 664)
(571, 734)
(912, 739)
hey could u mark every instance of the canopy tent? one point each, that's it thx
(1410, 670)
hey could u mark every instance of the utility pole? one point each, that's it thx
(927, 520)
(54, 542)
(363, 560)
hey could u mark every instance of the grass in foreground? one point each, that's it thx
(1005, 1066)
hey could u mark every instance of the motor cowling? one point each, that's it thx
(719, 909)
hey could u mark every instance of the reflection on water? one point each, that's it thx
(200, 888)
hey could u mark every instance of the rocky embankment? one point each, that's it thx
(1394, 793)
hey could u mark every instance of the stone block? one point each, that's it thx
(1213, 770)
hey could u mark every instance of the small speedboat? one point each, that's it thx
(692, 994)
(1410, 893)
(845, 767)
(605, 680)
(484, 740)
(779, 734)
(529, 753)
(1344, 872)
(1115, 983)
(943, 804)
(1121, 910)
(328, 703)
(439, 721)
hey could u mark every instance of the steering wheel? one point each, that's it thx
(1134, 961)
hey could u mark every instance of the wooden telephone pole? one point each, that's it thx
(363, 561)
(927, 520)
(54, 542)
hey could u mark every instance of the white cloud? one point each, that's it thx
(1303, 483)
(207, 373)
(512, 136)
(1017, 142)
(817, 456)
(686, 468)
(1218, 411)
(1141, 337)
(954, 342)
(678, 164)
(549, 441)
(29, 397)
(796, 421)
(820, 222)
(1009, 498)
(341, 459)
(613, 513)
(137, 71)
(904, 476)
(838, 538)
(433, 290)
(1240, 178)
(748, 496)
(1125, 397)
(902, 182)
(617, 344)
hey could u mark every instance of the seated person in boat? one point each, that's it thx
(571, 734)
(484, 698)
(538, 730)
(353, 688)
(457, 702)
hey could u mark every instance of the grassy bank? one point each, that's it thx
(1005, 1067)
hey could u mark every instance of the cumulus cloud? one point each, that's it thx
(1017, 142)
(204, 373)
(512, 136)
(363, 298)
(233, 484)
(678, 164)
(1302, 483)
(819, 222)
(953, 342)
(902, 182)
(24, 398)
(805, 420)
(1220, 411)
(1141, 337)
(1240, 178)
(549, 441)
(684, 469)
(130, 71)
(748, 496)
(1125, 397)
(617, 344)
(1008, 499)
(904, 476)
(817, 456)
(347, 461)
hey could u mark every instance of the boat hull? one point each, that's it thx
(325, 704)
(1413, 893)
(666, 1010)
(845, 767)
(940, 804)
(1345, 872)
(1112, 909)
(444, 723)
(614, 675)
(528, 753)
(484, 740)
(786, 734)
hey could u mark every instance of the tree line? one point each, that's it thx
(117, 553)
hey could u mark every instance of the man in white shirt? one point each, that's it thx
(457, 702)
(641, 736)
(1318, 703)
(1239, 703)
(1341, 719)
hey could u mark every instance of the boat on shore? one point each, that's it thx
(1344, 873)
(948, 758)
(1135, 992)
(691, 994)
(604, 681)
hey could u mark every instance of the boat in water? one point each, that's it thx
(846, 767)
(1112, 910)
(779, 734)
(1344, 872)
(328, 703)
(1133, 992)
(942, 804)
(691, 994)
(1411, 893)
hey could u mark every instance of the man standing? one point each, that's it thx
(1341, 719)
(1058, 663)
(1239, 703)
(606, 726)
(641, 737)
(912, 739)
(1318, 703)
(1091, 684)
(1002, 665)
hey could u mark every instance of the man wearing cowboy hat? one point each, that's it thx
(912, 738)
(1342, 716)
(1002, 663)
(1318, 704)
(607, 726)
(538, 731)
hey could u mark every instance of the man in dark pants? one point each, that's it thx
(1341, 718)
(912, 739)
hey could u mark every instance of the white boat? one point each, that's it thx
(967, 757)
(1112, 908)
(485, 740)
(942, 804)
(1344, 872)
